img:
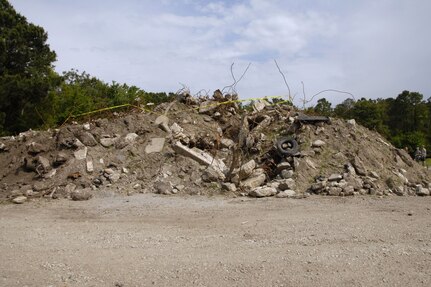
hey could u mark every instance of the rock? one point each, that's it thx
(286, 194)
(247, 169)
(81, 154)
(108, 172)
(359, 166)
(335, 177)
(81, 195)
(310, 163)
(42, 185)
(35, 148)
(69, 188)
(422, 191)
(162, 122)
(107, 142)
(351, 123)
(3, 147)
(259, 105)
(86, 138)
(227, 143)
(287, 173)
(60, 159)
(156, 145)
(210, 174)
(374, 174)
(86, 126)
(253, 182)
(318, 186)
(50, 174)
(176, 129)
(228, 186)
(283, 165)
(113, 178)
(263, 191)
(19, 199)
(89, 165)
(131, 138)
(287, 184)
(348, 190)
(44, 164)
(399, 190)
(125, 170)
(163, 187)
(318, 143)
(335, 191)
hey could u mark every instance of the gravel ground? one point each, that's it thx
(149, 240)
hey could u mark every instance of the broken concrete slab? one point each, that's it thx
(286, 194)
(200, 156)
(208, 106)
(156, 145)
(81, 154)
(131, 138)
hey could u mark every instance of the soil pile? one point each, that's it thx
(207, 146)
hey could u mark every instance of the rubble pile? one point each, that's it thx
(207, 146)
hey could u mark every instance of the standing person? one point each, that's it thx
(423, 155)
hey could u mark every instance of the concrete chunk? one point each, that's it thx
(200, 156)
(156, 145)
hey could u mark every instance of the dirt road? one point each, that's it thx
(149, 240)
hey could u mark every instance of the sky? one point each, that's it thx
(369, 48)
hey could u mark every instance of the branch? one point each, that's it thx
(285, 81)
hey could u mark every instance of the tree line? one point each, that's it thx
(405, 120)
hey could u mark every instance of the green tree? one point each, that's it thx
(26, 70)
(323, 107)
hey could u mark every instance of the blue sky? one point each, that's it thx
(369, 48)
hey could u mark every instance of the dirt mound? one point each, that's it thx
(207, 146)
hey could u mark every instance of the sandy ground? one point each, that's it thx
(150, 240)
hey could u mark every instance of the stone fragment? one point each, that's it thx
(81, 154)
(229, 186)
(287, 173)
(351, 123)
(156, 145)
(19, 199)
(253, 182)
(286, 194)
(422, 191)
(263, 191)
(81, 195)
(210, 175)
(348, 190)
(107, 142)
(287, 184)
(318, 186)
(35, 148)
(399, 190)
(89, 165)
(335, 177)
(162, 122)
(69, 188)
(335, 191)
(283, 165)
(227, 143)
(163, 187)
(359, 166)
(131, 138)
(86, 126)
(60, 159)
(247, 169)
(3, 147)
(44, 163)
(87, 138)
(113, 178)
(318, 143)
(374, 174)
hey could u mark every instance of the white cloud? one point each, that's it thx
(371, 48)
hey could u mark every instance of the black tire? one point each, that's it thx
(287, 146)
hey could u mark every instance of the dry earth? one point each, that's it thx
(152, 240)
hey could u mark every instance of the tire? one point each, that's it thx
(287, 146)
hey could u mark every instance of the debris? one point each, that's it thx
(286, 194)
(318, 143)
(156, 145)
(263, 191)
(253, 182)
(81, 154)
(19, 199)
(162, 121)
(81, 195)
